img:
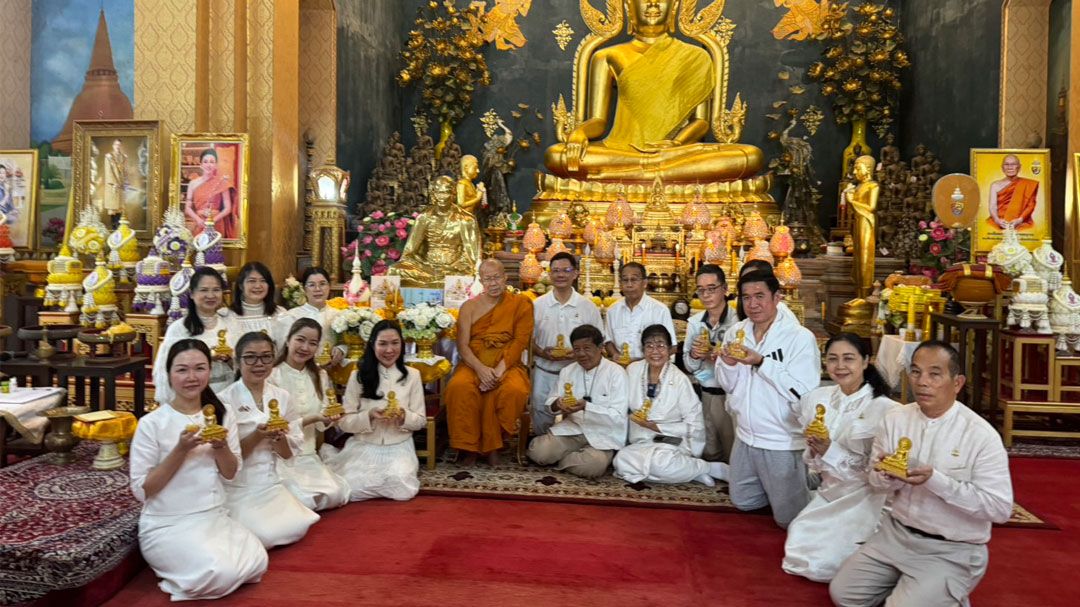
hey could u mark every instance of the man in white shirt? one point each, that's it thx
(699, 357)
(555, 314)
(930, 548)
(782, 362)
(594, 425)
(629, 316)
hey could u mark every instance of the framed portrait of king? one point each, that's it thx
(18, 196)
(210, 179)
(116, 169)
(1014, 186)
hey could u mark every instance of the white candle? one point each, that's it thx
(588, 281)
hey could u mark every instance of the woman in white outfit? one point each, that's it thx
(256, 497)
(845, 510)
(316, 282)
(379, 460)
(254, 293)
(305, 475)
(205, 319)
(185, 533)
(665, 445)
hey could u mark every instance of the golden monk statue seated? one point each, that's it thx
(669, 93)
(445, 241)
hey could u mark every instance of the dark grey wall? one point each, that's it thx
(369, 101)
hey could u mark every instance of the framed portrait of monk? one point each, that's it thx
(18, 198)
(116, 170)
(210, 179)
(1014, 187)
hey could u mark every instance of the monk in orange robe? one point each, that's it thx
(1012, 199)
(489, 389)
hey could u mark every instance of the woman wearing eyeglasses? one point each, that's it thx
(316, 283)
(255, 496)
(205, 319)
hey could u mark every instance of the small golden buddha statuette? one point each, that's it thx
(568, 399)
(393, 409)
(817, 428)
(735, 348)
(642, 414)
(333, 407)
(324, 356)
(703, 339)
(560, 351)
(624, 357)
(275, 423)
(192, 428)
(897, 463)
(212, 431)
(222, 349)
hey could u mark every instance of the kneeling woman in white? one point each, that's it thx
(305, 475)
(667, 437)
(185, 534)
(379, 460)
(845, 510)
(256, 496)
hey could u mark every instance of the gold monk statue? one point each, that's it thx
(276, 423)
(392, 409)
(222, 348)
(444, 241)
(469, 196)
(212, 431)
(642, 414)
(664, 102)
(735, 348)
(897, 463)
(863, 198)
(333, 407)
(817, 428)
(568, 399)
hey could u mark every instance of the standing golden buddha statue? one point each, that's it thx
(444, 241)
(469, 196)
(856, 315)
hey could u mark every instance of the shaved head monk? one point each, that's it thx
(489, 390)
(1012, 199)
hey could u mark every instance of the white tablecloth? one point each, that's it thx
(26, 416)
(894, 358)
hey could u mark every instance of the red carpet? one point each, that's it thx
(459, 551)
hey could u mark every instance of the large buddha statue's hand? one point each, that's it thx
(577, 145)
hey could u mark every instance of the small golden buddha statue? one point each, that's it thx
(276, 423)
(664, 103)
(212, 431)
(897, 463)
(703, 340)
(393, 409)
(222, 348)
(735, 348)
(324, 356)
(856, 316)
(642, 414)
(817, 428)
(560, 350)
(568, 399)
(444, 241)
(333, 407)
(624, 355)
(469, 196)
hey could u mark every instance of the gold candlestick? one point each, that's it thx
(211, 431)
(333, 407)
(897, 463)
(817, 428)
(275, 423)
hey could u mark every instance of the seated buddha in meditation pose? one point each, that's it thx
(445, 241)
(662, 110)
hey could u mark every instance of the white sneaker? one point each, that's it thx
(719, 470)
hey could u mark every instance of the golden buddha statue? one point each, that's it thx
(393, 409)
(568, 399)
(469, 196)
(324, 356)
(624, 355)
(212, 430)
(444, 241)
(817, 428)
(668, 95)
(560, 350)
(735, 348)
(703, 339)
(333, 407)
(222, 348)
(856, 316)
(642, 414)
(276, 423)
(897, 463)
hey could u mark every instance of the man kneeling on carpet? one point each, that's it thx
(593, 410)
(947, 482)
(185, 534)
(667, 428)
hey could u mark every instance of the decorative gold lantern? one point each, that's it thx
(782, 243)
(760, 250)
(592, 228)
(726, 228)
(561, 226)
(329, 186)
(715, 248)
(603, 248)
(556, 247)
(530, 269)
(754, 228)
(620, 217)
(534, 239)
(788, 273)
(696, 216)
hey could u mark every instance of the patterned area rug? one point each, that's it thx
(62, 526)
(535, 483)
(1055, 448)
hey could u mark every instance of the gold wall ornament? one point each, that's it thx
(728, 126)
(603, 25)
(563, 34)
(695, 23)
(420, 124)
(724, 30)
(563, 120)
(812, 118)
(490, 120)
(500, 24)
(804, 19)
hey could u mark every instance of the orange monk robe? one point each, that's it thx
(1017, 201)
(477, 420)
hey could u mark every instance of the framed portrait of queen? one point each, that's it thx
(210, 180)
(18, 198)
(1014, 186)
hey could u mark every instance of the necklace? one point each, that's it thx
(585, 380)
(652, 391)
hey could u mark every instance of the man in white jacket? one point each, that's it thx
(593, 425)
(780, 363)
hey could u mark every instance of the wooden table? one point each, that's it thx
(41, 372)
(974, 335)
(80, 370)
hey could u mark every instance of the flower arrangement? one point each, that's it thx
(425, 321)
(292, 293)
(381, 239)
(54, 230)
(355, 321)
(939, 248)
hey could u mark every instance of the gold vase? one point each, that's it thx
(858, 140)
(425, 348)
(356, 345)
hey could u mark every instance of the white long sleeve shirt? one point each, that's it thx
(624, 326)
(552, 319)
(410, 397)
(970, 487)
(196, 486)
(603, 421)
(765, 399)
(279, 328)
(221, 374)
(676, 409)
(255, 319)
(704, 373)
(853, 421)
(260, 465)
(303, 399)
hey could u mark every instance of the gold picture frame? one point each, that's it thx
(132, 185)
(231, 166)
(19, 196)
(1031, 183)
